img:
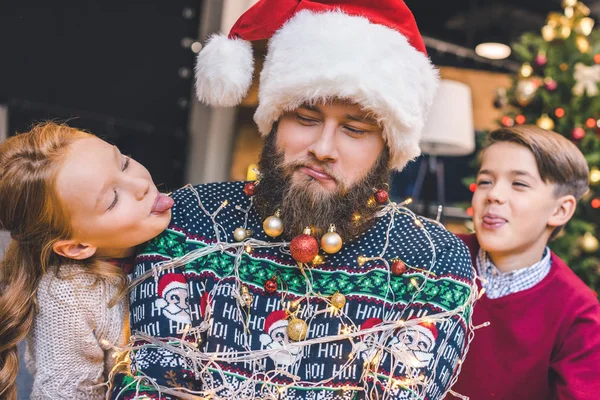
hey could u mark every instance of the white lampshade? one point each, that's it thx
(449, 129)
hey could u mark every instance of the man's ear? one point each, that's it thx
(73, 249)
(565, 208)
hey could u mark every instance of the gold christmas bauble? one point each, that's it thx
(273, 226)
(594, 176)
(584, 26)
(297, 329)
(583, 44)
(240, 234)
(331, 242)
(548, 33)
(545, 122)
(589, 243)
(338, 300)
(526, 90)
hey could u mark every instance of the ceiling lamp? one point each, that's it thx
(493, 51)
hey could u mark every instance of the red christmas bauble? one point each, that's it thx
(578, 133)
(381, 196)
(250, 188)
(398, 267)
(304, 248)
(271, 285)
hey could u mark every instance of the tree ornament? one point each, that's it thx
(578, 133)
(304, 247)
(398, 267)
(594, 176)
(559, 112)
(541, 59)
(586, 79)
(246, 296)
(381, 196)
(584, 26)
(271, 285)
(331, 242)
(273, 225)
(550, 84)
(297, 329)
(526, 90)
(548, 33)
(526, 70)
(545, 122)
(338, 300)
(583, 44)
(249, 189)
(589, 243)
(597, 58)
(240, 234)
(507, 121)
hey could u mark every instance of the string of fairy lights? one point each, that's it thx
(372, 343)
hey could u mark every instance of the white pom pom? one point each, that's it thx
(224, 71)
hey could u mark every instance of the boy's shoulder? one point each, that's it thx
(563, 278)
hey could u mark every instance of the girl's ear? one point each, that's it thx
(73, 249)
(565, 208)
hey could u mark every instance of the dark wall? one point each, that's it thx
(115, 68)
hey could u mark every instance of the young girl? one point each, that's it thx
(75, 208)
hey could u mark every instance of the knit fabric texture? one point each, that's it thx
(204, 295)
(71, 341)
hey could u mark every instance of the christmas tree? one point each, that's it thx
(557, 89)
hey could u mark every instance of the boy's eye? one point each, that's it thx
(114, 202)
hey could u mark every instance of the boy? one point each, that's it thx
(543, 341)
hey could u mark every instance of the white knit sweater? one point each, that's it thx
(69, 345)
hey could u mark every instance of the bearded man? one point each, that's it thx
(300, 283)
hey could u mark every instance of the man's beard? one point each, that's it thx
(305, 203)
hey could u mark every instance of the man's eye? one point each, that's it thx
(520, 184)
(354, 131)
(305, 120)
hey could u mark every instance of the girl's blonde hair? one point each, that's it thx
(31, 210)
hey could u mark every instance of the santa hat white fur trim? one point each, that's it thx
(224, 71)
(278, 324)
(319, 56)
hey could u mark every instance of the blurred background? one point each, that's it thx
(124, 71)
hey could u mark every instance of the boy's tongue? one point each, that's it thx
(162, 204)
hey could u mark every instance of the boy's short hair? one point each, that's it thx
(558, 160)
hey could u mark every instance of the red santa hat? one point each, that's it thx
(427, 328)
(169, 282)
(276, 319)
(369, 52)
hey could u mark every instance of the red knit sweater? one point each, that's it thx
(542, 343)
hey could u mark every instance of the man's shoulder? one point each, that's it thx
(194, 201)
(433, 242)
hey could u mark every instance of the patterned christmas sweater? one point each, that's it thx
(206, 322)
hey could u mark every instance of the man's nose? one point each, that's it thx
(324, 145)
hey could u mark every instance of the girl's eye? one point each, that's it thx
(126, 164)
(114, 202)
(483, 182)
